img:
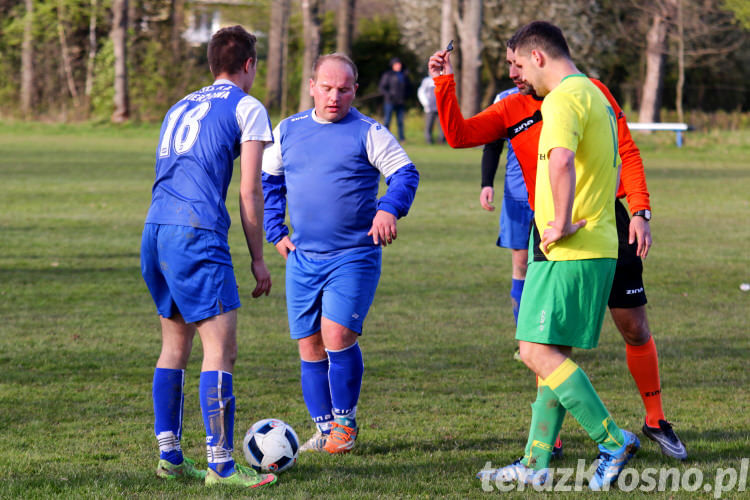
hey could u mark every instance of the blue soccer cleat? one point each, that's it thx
(611, 463)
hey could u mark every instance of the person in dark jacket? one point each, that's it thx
(395, 86)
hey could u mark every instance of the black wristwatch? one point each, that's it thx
(646, 214)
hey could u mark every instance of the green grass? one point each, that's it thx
(79, 336)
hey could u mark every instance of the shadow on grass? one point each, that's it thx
(709, 447)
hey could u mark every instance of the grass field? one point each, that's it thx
(442, 394)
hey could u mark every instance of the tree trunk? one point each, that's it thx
(656, 48)
(276, 39)
(285, 74)
(470, 28)
(448, 33)
(345, 26)
(680, 63)
(27, 60)
(91, 57)
(311, 35)
(177, 27)
(119, 43)
(447, 28)
(65, 54)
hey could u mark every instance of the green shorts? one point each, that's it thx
(564, 302)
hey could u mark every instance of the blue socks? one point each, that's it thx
(516, 289)
(317, 392)
(217, 406)
(168, 395)
(345, 378)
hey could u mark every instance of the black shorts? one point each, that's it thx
(627, 286)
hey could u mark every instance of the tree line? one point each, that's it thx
(123, 60)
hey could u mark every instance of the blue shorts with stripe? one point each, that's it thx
(340, 289)
(515, 220)
(188, 271)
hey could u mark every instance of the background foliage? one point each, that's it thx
(606, 36)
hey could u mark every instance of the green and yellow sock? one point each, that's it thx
(547, 416)
(576, 394)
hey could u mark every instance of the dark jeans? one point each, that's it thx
(388, 110)
(430, 118)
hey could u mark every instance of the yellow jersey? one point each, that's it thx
(578, 117)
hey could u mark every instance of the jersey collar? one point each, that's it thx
(571, 76)
(224, 81)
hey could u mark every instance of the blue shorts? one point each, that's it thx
(341, 289)
(515, 224)
(188, 271)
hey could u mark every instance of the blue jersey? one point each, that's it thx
(329, 173)
(515, 185)
(198, 143)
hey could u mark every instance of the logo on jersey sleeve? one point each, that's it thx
(524, 124)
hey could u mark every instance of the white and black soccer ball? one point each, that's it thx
(271, 445)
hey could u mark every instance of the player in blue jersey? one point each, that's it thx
(185, 257)
(515, 214)
(326, 164)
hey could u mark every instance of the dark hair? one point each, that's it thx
(229, 49)
(540, 35)
(336, 56)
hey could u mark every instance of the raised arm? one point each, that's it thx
(487, 126)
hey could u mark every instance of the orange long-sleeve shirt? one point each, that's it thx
(518, 118)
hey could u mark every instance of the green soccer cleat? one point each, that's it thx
(185, 470)
(242, 476)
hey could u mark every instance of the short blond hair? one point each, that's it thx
(336, 56)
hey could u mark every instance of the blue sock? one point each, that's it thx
(167, 391)
(217, 406)
(516, 290)
(345, 378)
(317, 392)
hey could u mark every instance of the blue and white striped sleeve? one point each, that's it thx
(274, 191)
(401, 176)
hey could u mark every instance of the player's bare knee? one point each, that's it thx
(231, 354)
(636, 336)
(528, 356)
(311, 348)
(340, 340)
(633, 327)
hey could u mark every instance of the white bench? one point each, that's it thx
(677, 128)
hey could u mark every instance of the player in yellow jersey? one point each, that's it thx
(574, 248)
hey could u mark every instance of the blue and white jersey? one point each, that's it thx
(199, 141)
(515, 186)
(329, 173)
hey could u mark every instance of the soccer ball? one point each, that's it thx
(271, 445)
